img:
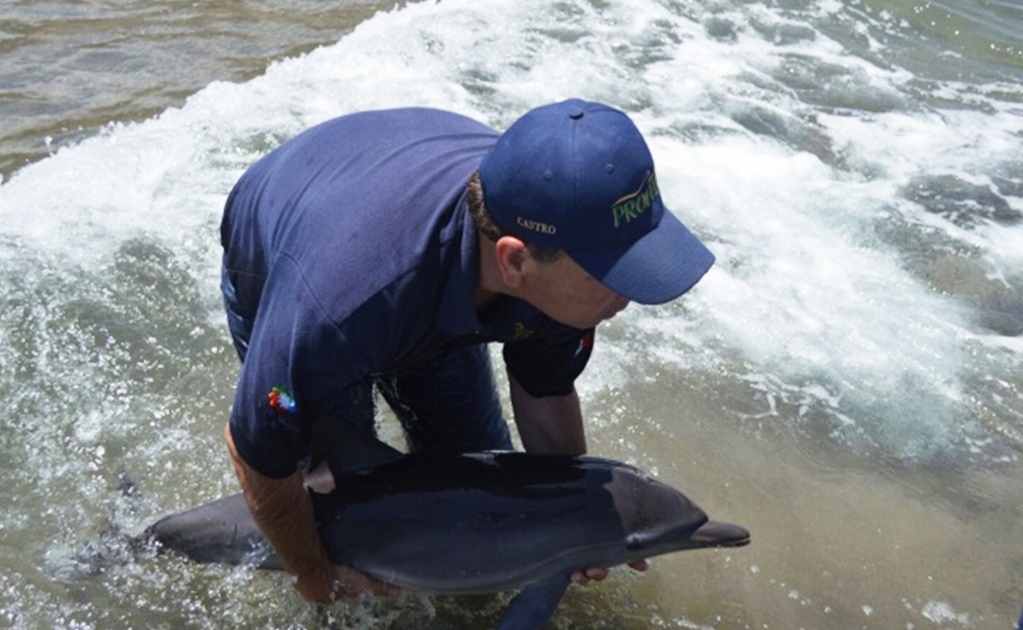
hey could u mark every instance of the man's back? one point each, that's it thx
(357, 195)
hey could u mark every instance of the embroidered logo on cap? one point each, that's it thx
(537, 226)
(634, 204)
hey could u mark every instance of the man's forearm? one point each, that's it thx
(284, 513)
(551, 425)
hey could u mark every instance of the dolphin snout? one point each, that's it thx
(720, 534)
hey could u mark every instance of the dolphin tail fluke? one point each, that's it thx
(534, 605)
(720, 534)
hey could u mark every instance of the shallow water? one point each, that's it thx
(69, 68)
(846, 381)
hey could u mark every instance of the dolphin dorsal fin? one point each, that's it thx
(346, 448)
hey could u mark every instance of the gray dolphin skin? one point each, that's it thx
(473, 523)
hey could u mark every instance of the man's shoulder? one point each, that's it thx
(380, 141)
(403, 120)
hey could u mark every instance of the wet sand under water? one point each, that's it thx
(838, 540)
(852, 544)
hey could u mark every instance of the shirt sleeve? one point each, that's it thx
(546, 368)
(296, 365)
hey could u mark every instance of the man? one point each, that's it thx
(385, 249)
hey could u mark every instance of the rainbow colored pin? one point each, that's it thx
(282, 402)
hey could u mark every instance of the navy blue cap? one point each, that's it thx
(579, 176)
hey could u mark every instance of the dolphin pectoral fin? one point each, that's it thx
(534, 605)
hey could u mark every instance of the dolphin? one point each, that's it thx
(471, 523)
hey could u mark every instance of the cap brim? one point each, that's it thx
(662, 265)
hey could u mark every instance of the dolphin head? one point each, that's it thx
(658, 519)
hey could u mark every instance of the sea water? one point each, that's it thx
(846, 381)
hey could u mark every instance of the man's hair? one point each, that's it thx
(486, 226)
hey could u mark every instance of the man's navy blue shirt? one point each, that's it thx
(351, 250)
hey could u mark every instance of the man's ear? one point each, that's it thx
(512, 260)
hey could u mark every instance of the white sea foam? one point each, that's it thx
(804, 291)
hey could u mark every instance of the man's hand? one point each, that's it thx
(284, 513)
(340, 582)
(598, 573)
